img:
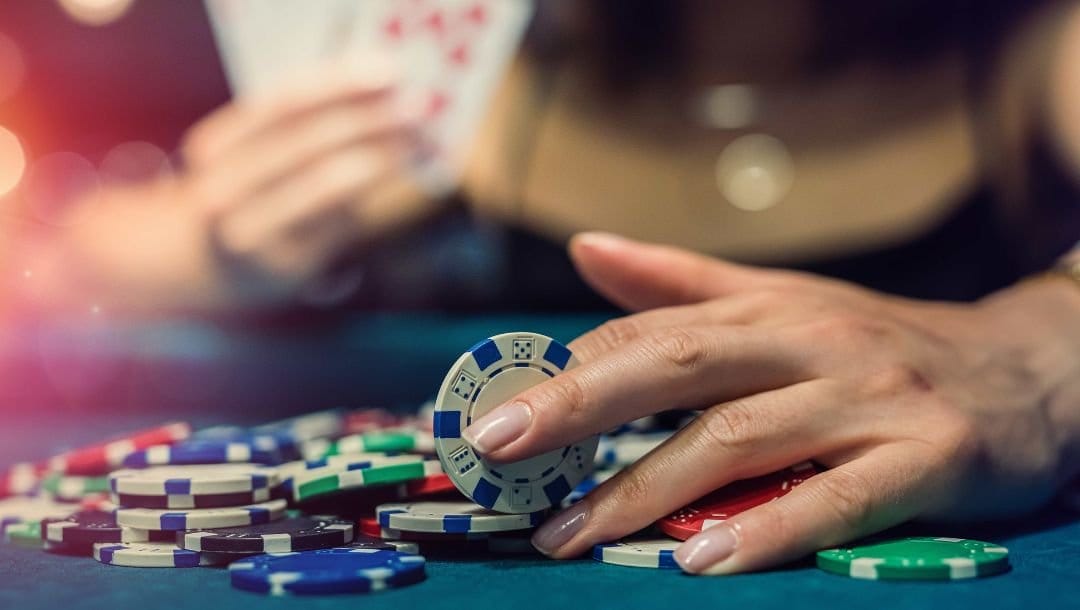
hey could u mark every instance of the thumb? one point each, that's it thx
(637, 275)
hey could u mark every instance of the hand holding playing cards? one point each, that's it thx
(279, 181)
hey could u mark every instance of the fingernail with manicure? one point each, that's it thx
(705, 551)
(559, 529)
(498, 428)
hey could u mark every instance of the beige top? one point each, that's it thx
(866, 159)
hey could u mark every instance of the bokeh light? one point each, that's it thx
(96, 12)
(12, 67)
(133, 162)
(755, 172)
(56, 183)
(12, 161)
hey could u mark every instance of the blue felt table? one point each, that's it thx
(208, 376)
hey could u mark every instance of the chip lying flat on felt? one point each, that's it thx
(917, 559)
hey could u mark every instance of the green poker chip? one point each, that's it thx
(917, 558)
(73, 487)
(26, 534)
(384, 441)
(331, 479)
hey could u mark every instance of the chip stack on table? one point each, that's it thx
(343, 501)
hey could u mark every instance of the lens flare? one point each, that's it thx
(12, 68)
(12, 161)
(56, 184)
(133, 162)
(95, 12)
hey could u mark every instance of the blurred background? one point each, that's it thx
(922, 148)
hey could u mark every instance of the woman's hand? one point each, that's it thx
(278, 181)
(934, 410)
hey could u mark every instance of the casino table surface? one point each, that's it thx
(69, 386)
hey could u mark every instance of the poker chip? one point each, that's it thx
(504, 543)
(733, 499)
(73, 488)
(452, 518)
(202, 518)
(283, 536)
(627, 448)
(239, 498)
(382, 441)
(206, 452)
(148, 555)
(586, 485)
(401, 546)
(99, 459)
(321, 424)
(20, 510)
(917, 559)
(84, 528)
(327, 571)
(332, 479)
(27, 534)
(194, 480)
(136, 534)
(20, 480)
(359, 421)
(639, 552)
(98, 501)
(490, 373)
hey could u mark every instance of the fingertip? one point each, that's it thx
(710, 552)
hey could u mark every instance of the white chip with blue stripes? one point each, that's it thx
(452, 518)
(639, 553)
(200, 518)
(490, 373)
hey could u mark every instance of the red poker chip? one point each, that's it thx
(102, 458)
(21, 479)
(429, 486)
(370, 420)
(733, 499)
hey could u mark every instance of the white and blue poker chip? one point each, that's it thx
(196, 480)
(148, 555)
(490, 373)
(259, 450)
(203, 518)
(639, 552)
(327, 571)
(450, 517)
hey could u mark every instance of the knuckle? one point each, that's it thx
(848, 495)
(898, 379)
(730, 425)
(567, 392)
(630, 488)
(617, 332)
(682, 348)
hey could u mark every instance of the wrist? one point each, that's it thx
(1039, 320)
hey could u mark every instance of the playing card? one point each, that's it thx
(266, 44)
(451, 55)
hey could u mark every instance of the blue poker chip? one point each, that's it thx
(284, 441)
(327, 571)
(187, 453)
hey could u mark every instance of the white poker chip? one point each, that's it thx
(194, 480)
(17, 510)
(452, 518)
(200, 518)
(492, 372)
(643, 552)
(148, 555)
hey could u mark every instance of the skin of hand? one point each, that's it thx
(918, 409)
(276, 188)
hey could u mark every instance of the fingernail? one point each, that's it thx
(498, 428)
(601, 240)
(706, 550)
(559, 529)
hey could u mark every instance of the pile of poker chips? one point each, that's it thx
(344, 501)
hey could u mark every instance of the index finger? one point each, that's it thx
(673, 368)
